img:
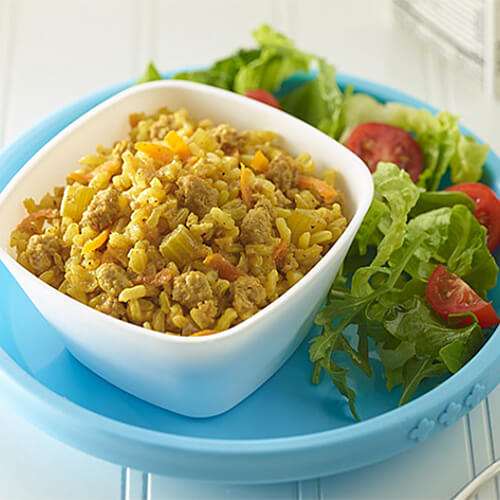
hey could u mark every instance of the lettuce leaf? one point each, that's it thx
(453, 236)
(395, 189)
(466, 164)
(438, 135)
(223, 72)
(278, 59)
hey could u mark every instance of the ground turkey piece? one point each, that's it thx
(197, 194)
(112, 278)
(248, 296)
(256, 226)
(40, 251)
(228, 139)
(102, 210)
(191, 288)
(283, 172)
(112, 307)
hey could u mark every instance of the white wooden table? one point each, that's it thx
(54, 51)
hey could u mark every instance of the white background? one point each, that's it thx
(54, 51)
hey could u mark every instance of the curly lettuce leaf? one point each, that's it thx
(438, 135)
(396, 190)
(470, 156)
(452, 236)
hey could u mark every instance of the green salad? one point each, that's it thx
(416, 278)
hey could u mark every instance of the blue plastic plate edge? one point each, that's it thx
(241, 461)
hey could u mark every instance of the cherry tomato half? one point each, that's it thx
(374, 142)
(487, 209)
(263, 96)
(449, 294)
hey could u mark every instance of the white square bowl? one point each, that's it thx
(202, 376)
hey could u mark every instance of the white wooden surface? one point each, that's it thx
(54, 51)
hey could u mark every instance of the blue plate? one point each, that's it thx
(287, 430)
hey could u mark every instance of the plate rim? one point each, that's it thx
(44, 406)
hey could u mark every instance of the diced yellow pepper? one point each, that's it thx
(156, 151)
(177, 144)
(259, 162)
(97, 242)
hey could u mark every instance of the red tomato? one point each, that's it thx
(374, 142)
(487, 209)
(263, 96)
(448, 294)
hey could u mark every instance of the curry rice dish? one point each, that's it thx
(185, 228)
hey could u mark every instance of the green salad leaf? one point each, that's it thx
(429, 200)
(223, 72)
(438, 135)
(385, 298)
(150, 74)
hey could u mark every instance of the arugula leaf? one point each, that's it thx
(414, 321)
(338, 376)
(150, 74)
(455, 354)
(416, 370)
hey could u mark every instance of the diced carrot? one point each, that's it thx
(321, 187)
(111, 166)
(245, 188)
(202, 333)
(96, 242)
(160, 278)
(156, 151)
(279, 253)
(47, 213)
(225, 269)
(259, 162)
(135, 118)
(177, 144)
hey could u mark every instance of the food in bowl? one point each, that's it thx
(185, 228)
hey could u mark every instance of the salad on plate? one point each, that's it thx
(415, 282)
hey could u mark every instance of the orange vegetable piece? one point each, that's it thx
(279, 253)
(48, 213)
(177, 144)
(321, 187)
(97, 242)
(245, 188)
(110, 166)
(156, 151)
(202, 333)
(259, 162)
(225, 269)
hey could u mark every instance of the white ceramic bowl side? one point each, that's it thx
(204, 376)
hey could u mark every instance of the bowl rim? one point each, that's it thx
(363, 178)
(53, 410)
